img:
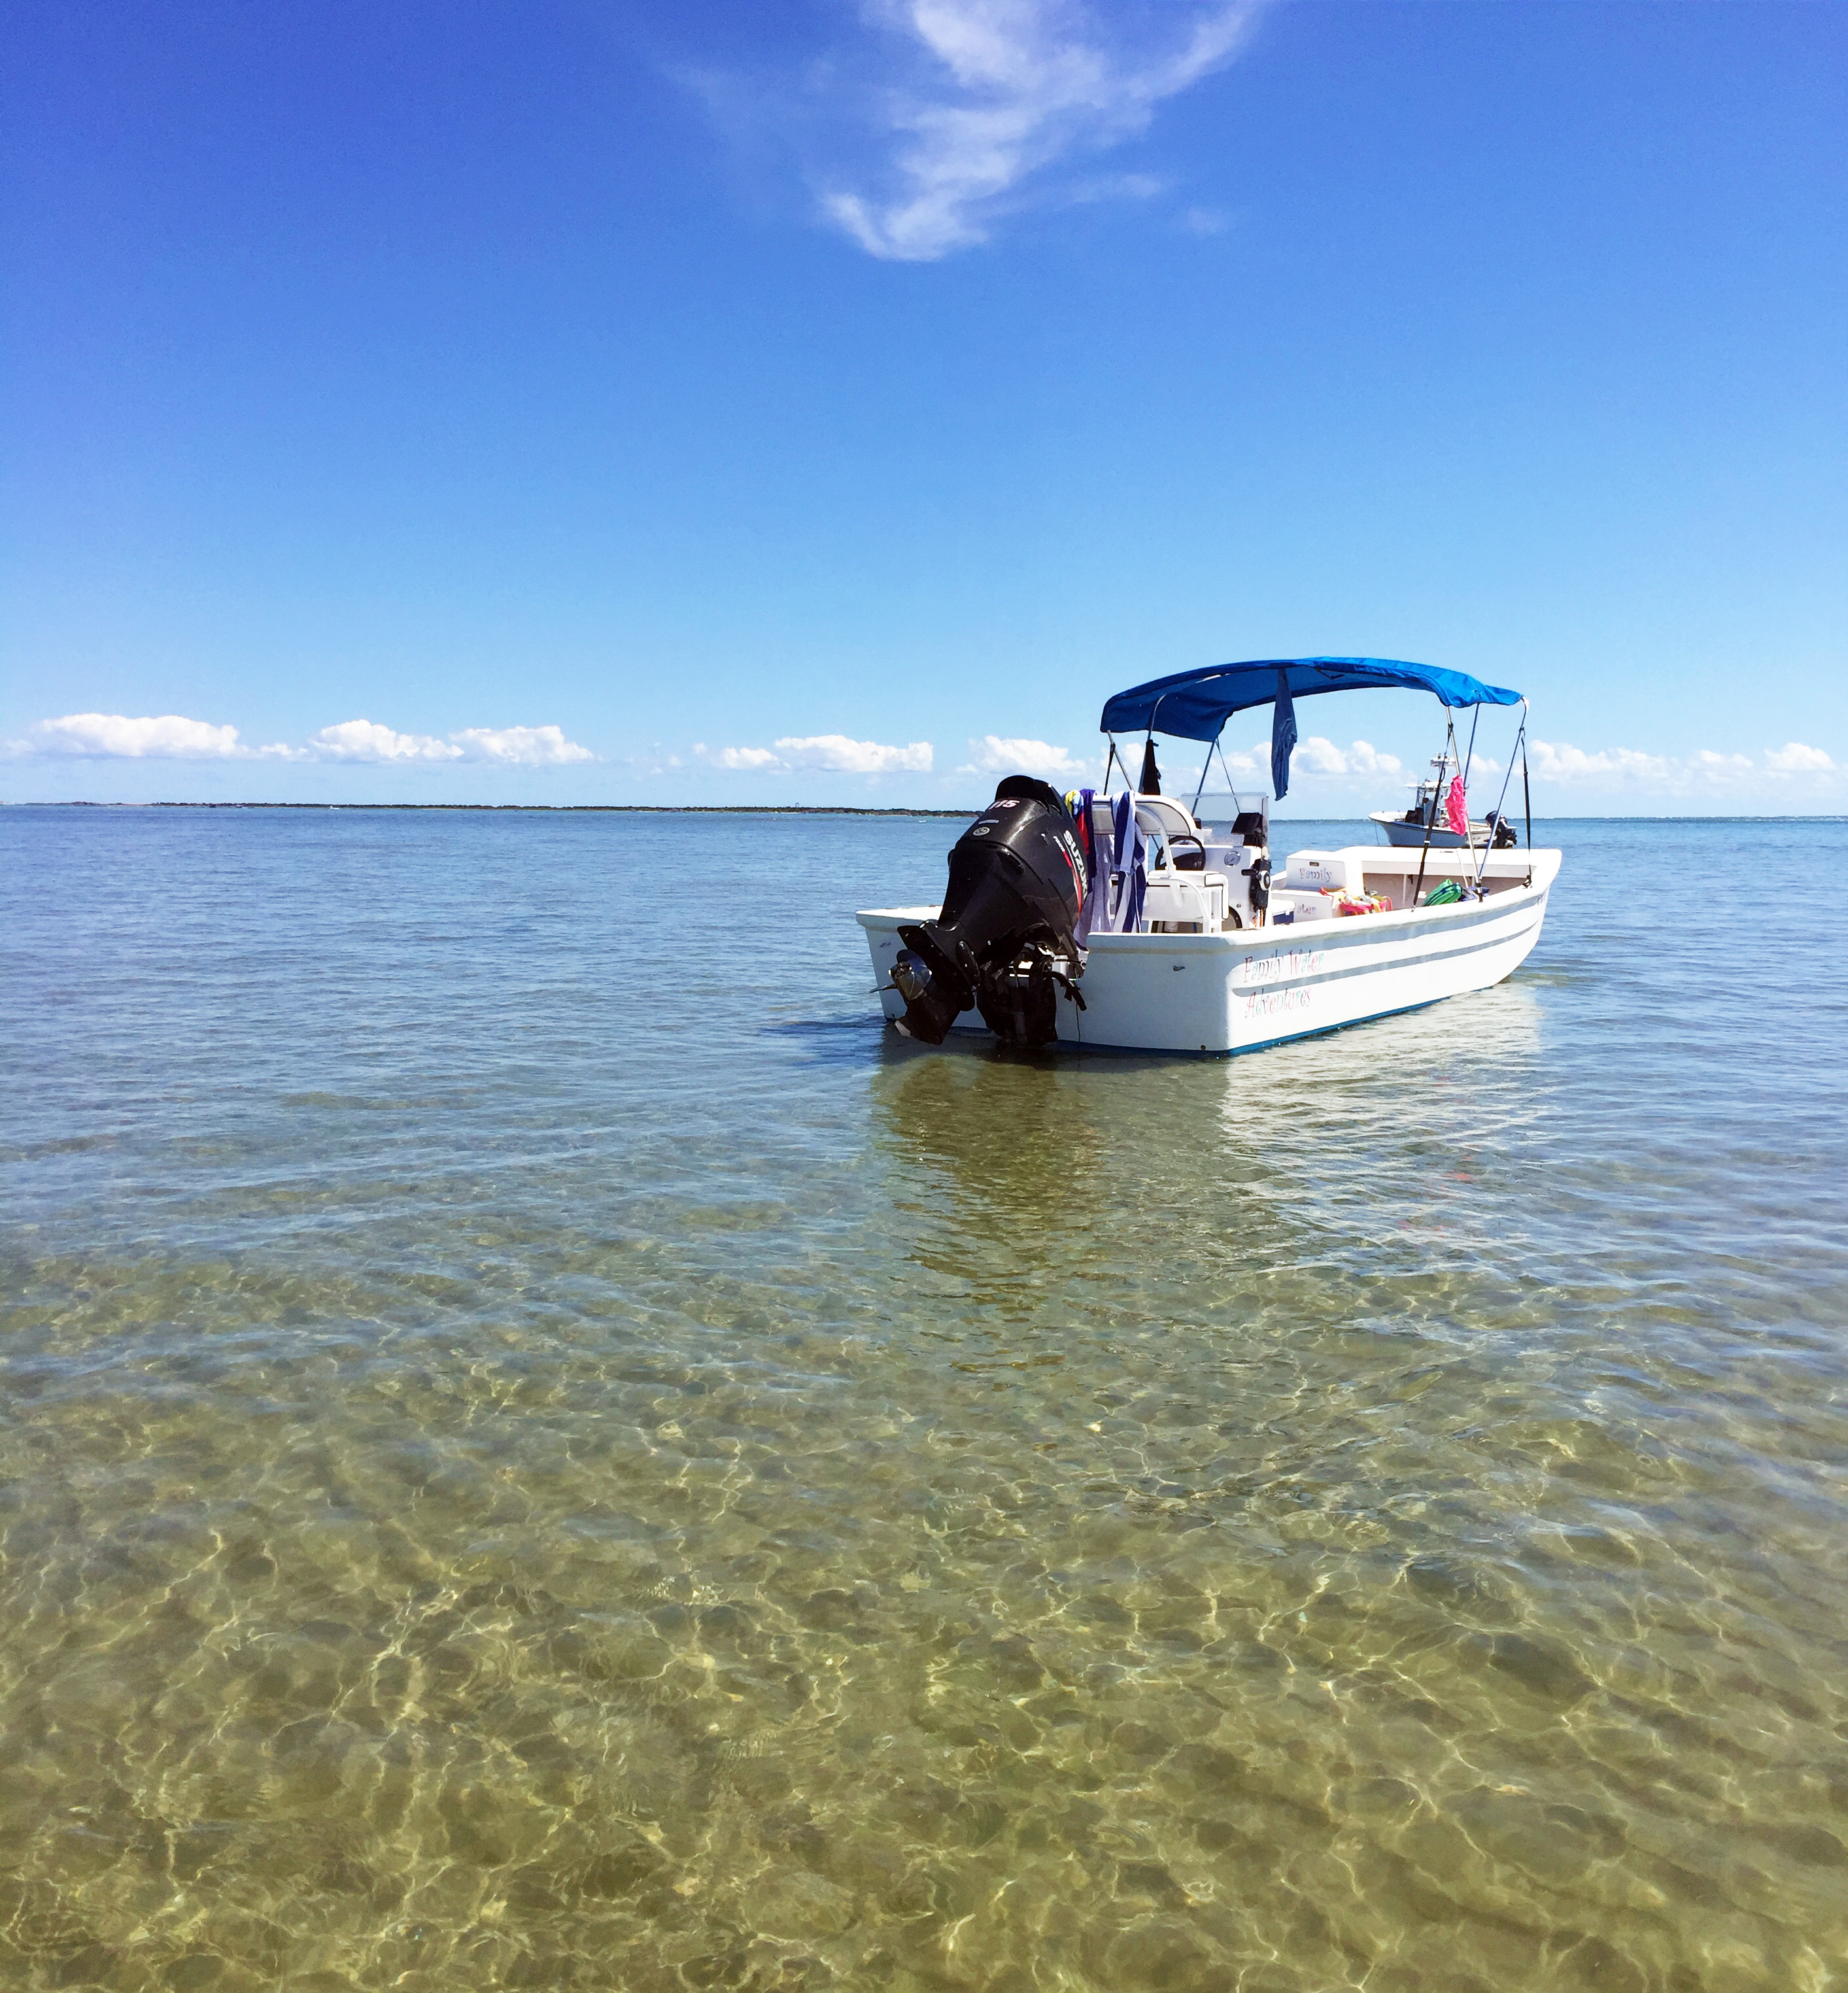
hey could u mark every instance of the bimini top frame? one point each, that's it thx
(1196, 705)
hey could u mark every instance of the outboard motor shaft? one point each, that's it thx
(1004, 941)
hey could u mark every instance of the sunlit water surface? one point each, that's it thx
(539, 1448)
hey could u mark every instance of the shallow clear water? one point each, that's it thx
(539, 1448)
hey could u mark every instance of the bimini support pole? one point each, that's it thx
(1206, 767)
(1507, 777)
(1526, 802)
(1431, 821)
(1231, 786)
(1469, 761)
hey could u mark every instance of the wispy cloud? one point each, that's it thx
(994, 755)
(965, 109)
(119, 736)
(833, 754)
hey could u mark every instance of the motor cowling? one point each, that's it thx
(1003, 943)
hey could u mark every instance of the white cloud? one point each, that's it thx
(1364, 759)
(504, 747)
(116, 736)
(832, 753)
(994, 755)
(1795, 759)
(856, 757)
(1003, 89)
(1706, 772)
(366, 740)
(1559, 762)
(1322, 757)
(1628, 767)
(521, 746)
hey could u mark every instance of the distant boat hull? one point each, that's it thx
(1257, 987)
(1398, 831)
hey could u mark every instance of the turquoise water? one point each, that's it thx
(539, 1448)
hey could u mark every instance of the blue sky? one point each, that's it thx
(810, 402)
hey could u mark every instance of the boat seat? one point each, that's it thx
(1185, 899)
(1164, 815)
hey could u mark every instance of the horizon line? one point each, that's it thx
(837, 809)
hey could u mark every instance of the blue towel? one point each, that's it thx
(1128, 867)
(1283, 737)
(1095, 871)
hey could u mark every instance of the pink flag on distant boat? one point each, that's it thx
(1456, 813)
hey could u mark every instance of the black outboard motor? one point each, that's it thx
(1004, 941)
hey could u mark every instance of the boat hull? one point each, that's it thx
(1398, 831)
(1257, 987)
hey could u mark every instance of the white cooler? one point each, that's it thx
(1310, 871)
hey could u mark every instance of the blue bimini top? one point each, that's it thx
(1196, 705)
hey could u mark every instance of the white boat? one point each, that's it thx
(1424, 823)
(1179, 936)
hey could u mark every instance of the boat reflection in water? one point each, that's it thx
(1215, 1166)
